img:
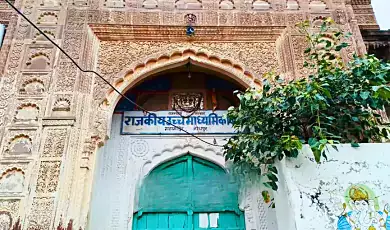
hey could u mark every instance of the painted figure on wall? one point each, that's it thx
(365, 213)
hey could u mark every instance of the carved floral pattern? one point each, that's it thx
(49, 172)
(41, 213)
(54, 143)
(11, 207)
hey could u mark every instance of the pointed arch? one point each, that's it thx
(136, 72)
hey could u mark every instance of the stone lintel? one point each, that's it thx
(107, 32)
(59, 121)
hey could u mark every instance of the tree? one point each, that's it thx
(337, 103)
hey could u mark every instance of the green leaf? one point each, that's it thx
(312, 142)
(323, 141)
(307, 50)
(273, 169)
(355, 145)
(272, 185)
(364, 95)
(356, 119)
(317, 155)
(335, 103)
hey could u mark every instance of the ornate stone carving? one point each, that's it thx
(139, 148)
(41, 213)
(66, 77)
(317, 5)
(51, 3)
(299, 45)
(11, 207)
(55, 142)
(9, 77)
(261, 5)
(20, 144)
(80, 3)
(12, 181)
(39, 59)
(5, 220)
(150, 4)
(188, 4)
(51, 32)
(114, 3)
(292, 5)
(226, 4)
(55, 121)
(222, 53)
(27, 112)
(187, 102)
(33, 86)
(62, 105)
(72, 44)
(48, 18)
(131, 52)
(49, 172)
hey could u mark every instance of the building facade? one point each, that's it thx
(67, 159)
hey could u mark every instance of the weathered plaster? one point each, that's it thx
(316, 192)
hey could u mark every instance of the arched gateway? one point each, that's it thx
(150, 175)
(188, 193)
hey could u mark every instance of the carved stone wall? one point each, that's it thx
(53, 117)
(126, 160)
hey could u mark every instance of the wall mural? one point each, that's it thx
(364, 210)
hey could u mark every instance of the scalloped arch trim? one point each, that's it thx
(10, 170)
(208, 153)
(155, 64)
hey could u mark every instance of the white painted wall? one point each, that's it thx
(126, 159)
(312, 195)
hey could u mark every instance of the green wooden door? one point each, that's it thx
(188, 193)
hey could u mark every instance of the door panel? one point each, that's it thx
(188, 193)
(181, 221)
(161, 221)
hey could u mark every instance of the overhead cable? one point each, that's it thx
(106, 81)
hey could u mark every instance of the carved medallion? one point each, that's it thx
(187, 102)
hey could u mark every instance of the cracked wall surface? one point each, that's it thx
(349, 189)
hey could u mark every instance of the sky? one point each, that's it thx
(382, 13)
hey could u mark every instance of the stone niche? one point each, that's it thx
(20, 144)
(33, 84)
(188, 4)
(26, 113)
(226, 5)
(62, 106)
(32, 87)
(317, 5)
(48, 18)
(38, 61)
(51, 3)
(12, 181)
(292, 5)
(150, 4)
(261, 5)
(49, 31)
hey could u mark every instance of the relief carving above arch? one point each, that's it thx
(135, 63)
(182, 147)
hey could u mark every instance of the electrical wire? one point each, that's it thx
(101, 77)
